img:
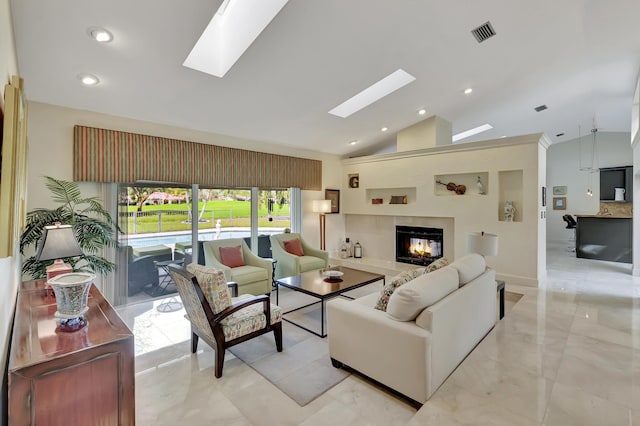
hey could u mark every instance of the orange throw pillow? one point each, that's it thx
(294, 247)
(232, 256)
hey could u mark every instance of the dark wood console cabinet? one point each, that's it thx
(84, 377)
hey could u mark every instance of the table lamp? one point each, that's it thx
(58, 242)
(483, 243)
(322, 207)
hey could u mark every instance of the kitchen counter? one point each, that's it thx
(606, 216)
(604, 237)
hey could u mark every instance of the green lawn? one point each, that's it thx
(173, 217)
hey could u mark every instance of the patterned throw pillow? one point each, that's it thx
(213, 285)
(390, 287)
(440, 263)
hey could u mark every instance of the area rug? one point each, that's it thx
(302, 370)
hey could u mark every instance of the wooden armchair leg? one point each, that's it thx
(194, 342)
(219, 359)
(277, 332)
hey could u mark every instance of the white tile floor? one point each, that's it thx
(567, 353)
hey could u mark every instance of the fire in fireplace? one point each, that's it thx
(417, 245)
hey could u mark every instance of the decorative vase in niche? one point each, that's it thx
(72, 295)
(509, 211)
(480, 186)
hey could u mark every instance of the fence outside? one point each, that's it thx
(179, 220)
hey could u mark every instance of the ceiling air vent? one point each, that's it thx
(540, 108)
(483, 32)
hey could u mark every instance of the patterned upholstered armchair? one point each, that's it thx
(218, 318)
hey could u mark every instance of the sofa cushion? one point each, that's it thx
(294, 246)
(440, 263)
(413, 297)
(213, 285)
(232, 256)
(469, 267)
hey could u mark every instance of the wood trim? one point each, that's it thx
(13, 175)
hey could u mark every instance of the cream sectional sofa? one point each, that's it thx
(431, 324)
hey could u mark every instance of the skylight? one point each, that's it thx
(471, 132)
(231, 31)
(373, 93)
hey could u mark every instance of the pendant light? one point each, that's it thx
(592, 167)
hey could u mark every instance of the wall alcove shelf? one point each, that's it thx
(616, 177)
(469, 180)
(386, 193)
(510, 189)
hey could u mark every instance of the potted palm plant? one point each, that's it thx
(93, 226)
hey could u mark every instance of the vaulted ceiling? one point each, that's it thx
(580, 58)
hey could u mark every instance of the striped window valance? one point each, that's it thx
(102, 155)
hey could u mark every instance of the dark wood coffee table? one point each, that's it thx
(314, 284)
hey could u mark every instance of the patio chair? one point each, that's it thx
(217, 318)
(141, 272)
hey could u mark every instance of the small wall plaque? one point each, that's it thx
(354, 181)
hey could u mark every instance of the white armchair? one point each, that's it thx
(255, 277)
(289, 264)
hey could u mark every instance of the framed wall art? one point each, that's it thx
(334, 196)
(559, 190)
(559, 203)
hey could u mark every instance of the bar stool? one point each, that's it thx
(571, 224)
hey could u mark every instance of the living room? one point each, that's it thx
(50, 134)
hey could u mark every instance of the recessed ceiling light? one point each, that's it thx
(422, 111)
(233, 28)
(88, 79)
(353, 142)
(373, 93)
(100, 34)
(468, 90)
(384, 129)
(472, 132)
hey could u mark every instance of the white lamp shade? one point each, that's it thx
(482, 243)
(322, 206)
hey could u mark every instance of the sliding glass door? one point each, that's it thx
(158, 224)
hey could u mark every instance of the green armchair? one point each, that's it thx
(289, 264)
(253, 278)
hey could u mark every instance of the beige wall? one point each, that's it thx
(51, 149)
(10, 266)
(521, 254)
